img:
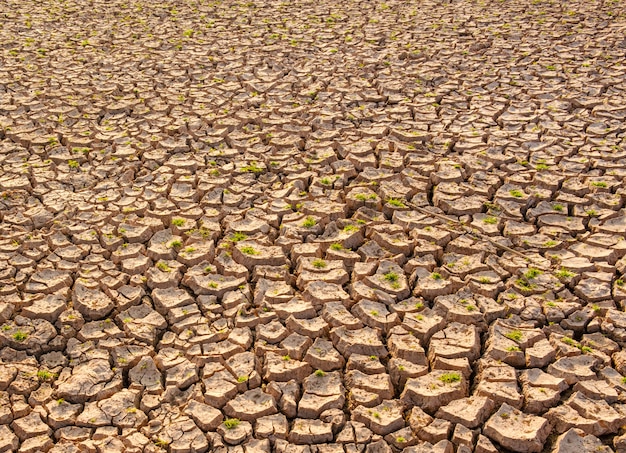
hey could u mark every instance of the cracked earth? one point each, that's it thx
(312, 226)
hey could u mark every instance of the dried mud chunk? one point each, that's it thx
(145, 375)
(434, 390)
(8, 440)
(319, 293)
(407, 347)
(87, 381)
(423, 324)
(574, 369)
(593, 290)
(284, 368)
(383, 419)
(178, 432)
(470, 412)
(360, 341)
(48, 281)
(182, 375)
(313, 328)
(499, 383)
(251, 405)
(375, 314)
(166, 299)
(30, 426)
(455, 341)
(219, 387)
(92, 304)
(251, 254)
(516, 431)
(323, 356)
(435, 285)
(272, 427)
(540, 354)
(378, 384)
(23, 334)
(337, 315)
(212, 284)
(577, 440)
(592, 416)
(307, 432)
(322, 391)
(48, 308)
(142, 323)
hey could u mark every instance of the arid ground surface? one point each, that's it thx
(312, 226)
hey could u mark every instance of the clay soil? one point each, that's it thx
(312, 226)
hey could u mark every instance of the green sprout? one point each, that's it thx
(163, 266)
(20, 336)
(309, 222)
(252, 168)
(178, 222)
(515, 335)
(237, 237)
(45, 375)
(248, 250)
(532, 273)
(564, 273)
(450, 378)
(396, 202)
(176, 244)
(319, 263)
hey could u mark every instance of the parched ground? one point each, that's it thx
(312, 226)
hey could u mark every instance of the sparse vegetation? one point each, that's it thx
(20, 336)
(309, 222)
(450, 378)
(238, 237)
(249, 250)
(515, 335)
(231, 423)
(163, 266)
(564, 273)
